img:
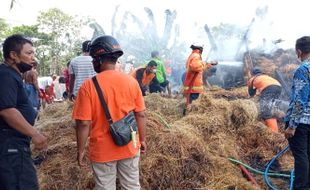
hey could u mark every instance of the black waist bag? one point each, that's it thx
(121, 130)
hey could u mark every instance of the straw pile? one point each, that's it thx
(284, 61)
(59, 170)
(192, 154)
(231, 94)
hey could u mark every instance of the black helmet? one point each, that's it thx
(197, 46)
(105, 46)
(256, 70)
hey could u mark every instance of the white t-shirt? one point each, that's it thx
(43, 82)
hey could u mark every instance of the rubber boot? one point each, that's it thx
(272, 124)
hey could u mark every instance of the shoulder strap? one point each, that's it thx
(103, 103)
(252, 83)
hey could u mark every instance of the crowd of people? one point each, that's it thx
(109, 108)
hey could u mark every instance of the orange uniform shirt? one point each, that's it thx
(146, 78)
(122, 95)
(194, 68)
(262, 81)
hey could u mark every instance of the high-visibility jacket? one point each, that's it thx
(142, 77)
(193, 78)
(161, 74)
(260, 82)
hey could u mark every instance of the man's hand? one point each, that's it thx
(80, 157)
(39, 141)
(71, 97)
(289, 132)
(143, 147)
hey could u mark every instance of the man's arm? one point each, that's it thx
(16, 120)
(71, 84)
(82, 132)
(141, 122)
(196, 64)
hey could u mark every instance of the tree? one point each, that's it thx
(4, 28)
(64, 33)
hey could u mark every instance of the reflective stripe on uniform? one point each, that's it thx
(193, 88)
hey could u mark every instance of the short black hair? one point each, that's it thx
(85, 46)
(154, 54)
(152, 64)
(14, 43)
(303, 44)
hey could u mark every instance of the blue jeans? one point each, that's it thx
(17, 171)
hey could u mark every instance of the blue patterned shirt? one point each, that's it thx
(299, 108)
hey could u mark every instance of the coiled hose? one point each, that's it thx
(268, 167)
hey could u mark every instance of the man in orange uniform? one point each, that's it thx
(145, 76)
(269, 89)
(193, 83)
(122, 95)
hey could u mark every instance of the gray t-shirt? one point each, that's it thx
(83, 69)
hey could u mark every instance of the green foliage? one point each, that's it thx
(64, 41)
(57, 38)
(4, 28)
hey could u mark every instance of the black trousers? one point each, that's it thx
(268, 95)
(193, 96)
(300, 147)
(17, 171)
(158, 87)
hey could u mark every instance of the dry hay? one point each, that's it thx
(231, 94)
(169, 108)
(258, 145)
(244, 112)
(176, 159)
(191, 155)
(59, 170)
(288, 70)
(268, 67)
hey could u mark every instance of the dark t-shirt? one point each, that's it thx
(13, 95)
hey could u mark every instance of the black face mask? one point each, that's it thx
(23, 67)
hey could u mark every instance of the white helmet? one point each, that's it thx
(196, 45)
(130, 59)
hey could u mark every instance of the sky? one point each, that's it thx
(284, 19)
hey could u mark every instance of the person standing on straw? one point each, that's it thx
(17, 117)
(193, 79)
(298, 116)
(122, 95)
